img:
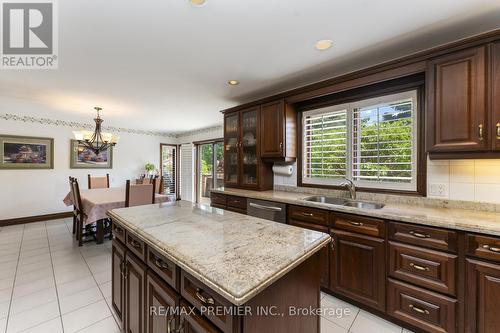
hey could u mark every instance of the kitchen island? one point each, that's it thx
(183, 267)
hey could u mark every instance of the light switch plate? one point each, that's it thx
(438, 190)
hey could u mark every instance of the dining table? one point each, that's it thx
(97, 202)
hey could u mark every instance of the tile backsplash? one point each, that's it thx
(465, 180)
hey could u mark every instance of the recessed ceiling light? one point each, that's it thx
(197, 2)
(233, 82)
(323, 44)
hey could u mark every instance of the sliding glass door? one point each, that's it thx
(210, 169)
(168, 166)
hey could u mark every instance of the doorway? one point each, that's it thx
(210, 169)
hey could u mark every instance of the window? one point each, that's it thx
(372, 142)
(168, 166)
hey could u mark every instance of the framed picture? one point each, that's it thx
(26, 152)
(83, 158)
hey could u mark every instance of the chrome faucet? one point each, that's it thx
(349, 185)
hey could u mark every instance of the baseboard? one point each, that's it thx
(37, 218)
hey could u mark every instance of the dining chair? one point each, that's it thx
(72, 196)
(158, 181)
(139, 194)
(98, 182)
(81, 217)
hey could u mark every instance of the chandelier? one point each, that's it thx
(96, 141)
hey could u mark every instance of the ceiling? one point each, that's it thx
(164, 65)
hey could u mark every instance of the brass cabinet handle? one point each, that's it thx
(118, 230)
(124, 270)
(169, 325)
(419, 235)
(181, 326)
(498, 131)
(202, 299)
(420, 268)
(481, 130)
(161, 264)
(135, 244)
(419, 310)
(357, 224)
(332, 244)
(281, 146)
(307, 214)
(492, 248)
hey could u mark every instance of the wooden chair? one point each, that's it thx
(75, 212)
(98, 182)
(80, 215)
(158, 181)
(139, 194)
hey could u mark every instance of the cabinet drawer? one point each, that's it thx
(193, 322)
(485, 247)
(119, 232)
(426, 268)
(200, 296)
(359, 224)
(165, 268)
(218, 199)
(306, 214)
(236, 202)
(421, 308)
(136, 245)
(434, 238)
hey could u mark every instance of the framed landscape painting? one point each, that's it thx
(83, 158)
(26, 152)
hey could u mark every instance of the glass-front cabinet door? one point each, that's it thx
(231, 148)
(249, 153)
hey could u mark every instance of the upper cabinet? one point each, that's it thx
(278, 127)
(495, 91)
(457, 105)
(243, 166)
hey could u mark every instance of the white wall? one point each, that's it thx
(469, 180)
(36, 192)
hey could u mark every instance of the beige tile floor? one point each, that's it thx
(50, 285)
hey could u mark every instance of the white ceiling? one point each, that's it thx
(163, 64)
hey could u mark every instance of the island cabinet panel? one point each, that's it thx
(192, 322)
(457, 114)
(161, 303)
(135, 283)
(358, 268)
(165, 268)
(136, 246)
(495, 90)
(427, 310)
(482, 297)
(118, 281)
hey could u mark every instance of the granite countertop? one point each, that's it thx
(485, 222)
(236, 255)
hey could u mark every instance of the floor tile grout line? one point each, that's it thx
(14, 282)
(81, 329)
(55, 281)
(356, 317)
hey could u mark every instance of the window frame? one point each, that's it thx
(361, 95)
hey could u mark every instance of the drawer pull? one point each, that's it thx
(418, 310)
(498, 131)
(236, 201)
(492, 248)
(332, 244)
(135, 244)
(420, 268)
(161, 264)
(419, 234)
(118, 230)
(202, 299)
(169, 325)
(308, 214)
(481, 134)
(357, 224)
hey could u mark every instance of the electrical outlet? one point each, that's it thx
(438, 190)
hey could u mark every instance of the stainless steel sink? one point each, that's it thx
(326, 200)
(365, 205)
(344, 202)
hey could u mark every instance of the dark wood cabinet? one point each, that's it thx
(118, 280)
(358, 268)
(243, 166)
(457, 109)
(161, 303)
(272, 129)
(482, 297)
(135, 282)
(495, 92)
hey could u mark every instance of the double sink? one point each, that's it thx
(344, 202)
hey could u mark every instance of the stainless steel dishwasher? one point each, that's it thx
(268, 210)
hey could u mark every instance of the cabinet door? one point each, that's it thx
(162, 302)
(482, 297)
(457, 106)
(192, 322)
(135, 275)
(496, 96)
(358, 268)
(231, 148)
(249, 159)
(324, 253)
(118, 286)
(272, 129)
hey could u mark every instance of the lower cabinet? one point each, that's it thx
(135, 281)
(482, 297)
(118, 280)
(162, 302)
(358, 268)
(191, 322)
